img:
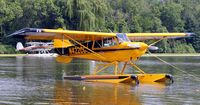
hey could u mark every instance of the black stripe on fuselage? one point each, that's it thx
(74, 50)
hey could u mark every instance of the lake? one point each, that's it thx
(26, 80)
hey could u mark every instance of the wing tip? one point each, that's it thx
(190, 34)
(22, 32)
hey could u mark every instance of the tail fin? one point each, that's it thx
(59, 43)
(19, 46)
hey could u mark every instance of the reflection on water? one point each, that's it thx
(38, 80)
(75, 92)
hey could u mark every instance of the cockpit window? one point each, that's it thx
(122, 37)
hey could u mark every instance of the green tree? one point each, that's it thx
(83, 14)
(40, 13)
(9, 12)
(171, 16)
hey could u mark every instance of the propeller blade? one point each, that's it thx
(153, 48)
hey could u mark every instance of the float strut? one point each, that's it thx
(116, 68)
(122, 72)
(137, 68)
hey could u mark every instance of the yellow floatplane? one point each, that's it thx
(111, 48)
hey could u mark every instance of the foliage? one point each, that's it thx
(107, 16)
(7, 49)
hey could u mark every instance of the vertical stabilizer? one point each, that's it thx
(61, 46)
(62, 43)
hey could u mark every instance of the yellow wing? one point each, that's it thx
(146, 36)
(50, 34)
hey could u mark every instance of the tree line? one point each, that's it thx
(107, 16)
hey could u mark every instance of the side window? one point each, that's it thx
(98, 44)
(107, 42)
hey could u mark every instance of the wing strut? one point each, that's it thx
(95, 54)
(157, 41)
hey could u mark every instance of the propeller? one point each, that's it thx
(153, 48)
(137, 46)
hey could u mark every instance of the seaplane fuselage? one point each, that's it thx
(106, 50)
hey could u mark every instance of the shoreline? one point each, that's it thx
(146, 55)
(171, 54)
(12, 55)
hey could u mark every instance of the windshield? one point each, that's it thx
(122, 37)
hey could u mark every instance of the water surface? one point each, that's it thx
(38, 80)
